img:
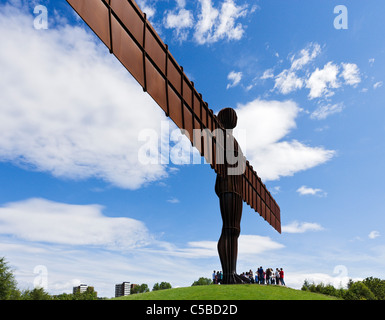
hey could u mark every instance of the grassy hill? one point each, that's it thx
(229, 292)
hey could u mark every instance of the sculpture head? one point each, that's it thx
(228, 117)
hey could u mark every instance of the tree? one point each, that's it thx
(140, 289)
(202, 282)
(161, 286)
(8, 284)
(377, 286)
(359, 291)
(89, 294)
(36, 294)
(307, 286)
(64, 296)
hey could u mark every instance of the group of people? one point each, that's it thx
(267, 276)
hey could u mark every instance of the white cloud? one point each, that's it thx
(374, 234)
(306, 56)
(310, 191)
(214, 25)
(207, 18)
(227, 27)
(323, 111)
(248, 245)
(40, 220)
(69, 108)
(235, 78)
(321, 81)
(378, 85)
(211, 24)
(351, 74)
(44, 221)
(288, 81)
(269, 73)
(254, 244)
(181, 21)
(266, 123)
(147, 8)
(173, 200)
(301, 227)
(275, 190)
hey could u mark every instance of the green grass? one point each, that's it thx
(229, 292)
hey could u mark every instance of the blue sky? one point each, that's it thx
(77, 205)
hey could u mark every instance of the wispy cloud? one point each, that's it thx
(211, 24)
(321, 82)
(267, 74)
(235, 78)
(275, 190)
(173, 200)
(248, 245)
(306, 56)
(179, 19)
(374, 234)
(304, 190)
(288, 81)
(214, 25)
(378, 85)
(40, 220)
(323, 111)
(301, 227)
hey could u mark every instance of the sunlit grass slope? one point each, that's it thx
(229, 292)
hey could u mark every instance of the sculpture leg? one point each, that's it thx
(231, 211)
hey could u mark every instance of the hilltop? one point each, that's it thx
(229, 292)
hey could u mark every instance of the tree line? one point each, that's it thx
(368, 289)
(144, 287)
(10, 291)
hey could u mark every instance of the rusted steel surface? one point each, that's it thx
(125, 30)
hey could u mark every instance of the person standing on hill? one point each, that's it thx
(281, 276)
(276, 276)
(260, 275)
(268, 274)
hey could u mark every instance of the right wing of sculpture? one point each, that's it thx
(256, 195)
(125, 30)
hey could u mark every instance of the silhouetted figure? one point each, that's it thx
(228, 188)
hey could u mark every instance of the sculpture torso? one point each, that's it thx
(226, 182)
